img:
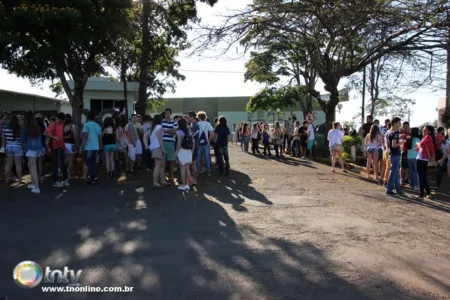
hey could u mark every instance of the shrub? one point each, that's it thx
(347, 144)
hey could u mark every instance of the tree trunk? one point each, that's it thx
(143, 65)
(77, 103)
(123, 78)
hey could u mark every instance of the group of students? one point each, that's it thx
(144, 143)
(402, 155)
(289, 138)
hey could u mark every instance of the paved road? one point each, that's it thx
(271, 230)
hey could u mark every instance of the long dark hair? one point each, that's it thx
(415, 133)
(430, 130)
(14, 126)
(244, 128)
(108, 122)
(182, 125)
(157, 120)
(32, 129)
(223, 121)
(68, 120)
(374, 131)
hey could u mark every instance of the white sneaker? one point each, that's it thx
(188, 188)
(58, 184)
(182, 188)
(31, 186)
(36, 191)
(66, 182)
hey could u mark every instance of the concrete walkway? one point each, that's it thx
(270, 230)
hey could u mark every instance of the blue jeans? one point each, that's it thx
(90, 159)
(59, 162)
(394, 175)
(203, 150)
(413, 177)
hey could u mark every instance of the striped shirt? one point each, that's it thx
(9, 137)
(168, 126)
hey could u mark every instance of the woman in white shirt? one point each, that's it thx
(373, 142)
(255, 139)
(158, 151)
(335, 138)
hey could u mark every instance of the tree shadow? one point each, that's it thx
(285, 160)
(167, 245)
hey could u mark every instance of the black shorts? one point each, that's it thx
(404, 161)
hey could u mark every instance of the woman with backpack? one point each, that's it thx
(185, 146)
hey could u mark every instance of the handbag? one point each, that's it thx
(431, 161)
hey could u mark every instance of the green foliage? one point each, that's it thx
(273, 98)
(347, 157)
(154, 105)
(347, 144)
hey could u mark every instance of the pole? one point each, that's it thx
(447, 102)
(363, 98)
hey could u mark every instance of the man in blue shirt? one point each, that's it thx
(91, 144)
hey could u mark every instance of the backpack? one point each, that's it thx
(187, 142)
(203, 139)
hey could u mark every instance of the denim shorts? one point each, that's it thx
(31, 153)
(373, 151)
(14, 150)
(110, 148)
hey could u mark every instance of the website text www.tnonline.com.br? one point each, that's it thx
(87, 289)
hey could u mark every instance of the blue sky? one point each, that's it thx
(224, 77)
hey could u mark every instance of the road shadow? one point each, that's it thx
(166, 244)
(288, 160)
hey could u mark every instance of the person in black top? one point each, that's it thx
(222, 132)
(366, 126)
(303, 132)
(393, 143)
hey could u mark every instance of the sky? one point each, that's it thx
(224, 76)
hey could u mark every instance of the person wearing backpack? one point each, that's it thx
(206, 133)
(185, 146)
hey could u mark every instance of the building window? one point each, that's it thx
(97, 105)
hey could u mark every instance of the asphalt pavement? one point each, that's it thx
(270, 230)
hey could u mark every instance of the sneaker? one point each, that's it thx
(182, 188)
(391, 194)
(188, 188)
(58, 184)
(401, 194)
(31, 186)
(66, 182)
(36, 191)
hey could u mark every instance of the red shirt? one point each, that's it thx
(427, 144)
(56, 129)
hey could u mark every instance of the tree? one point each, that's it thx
(286, 70)
(161, 38)
(61, 39)
(389, 107)
(332, 32)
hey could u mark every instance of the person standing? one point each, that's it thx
(393, 143)
(245, 136)
(90, 144)
(427, 154)
(147, 154)
(277, 139)
(335, 138)
(303, 133)
(55, 134)
(311, 137)
(185, 145)
(13, 149)
(155, 135)
(109, 143)
(223, 132)
(206, 134)
(411, 143)
(404, 133)
(31, 138)
(296, 141)
(266, 140)
(192, 117)
(170, 129)
(255, 139)
(70, 138)
(373, 142)
(134, 144)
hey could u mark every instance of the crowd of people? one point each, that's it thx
(155, 144)
(291, 138)
(400, 155)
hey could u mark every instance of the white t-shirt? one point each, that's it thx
(154, 141)
(335, 137)
(312, 134)
(254, 133)
(206, 128)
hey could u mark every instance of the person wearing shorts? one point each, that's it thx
(311, 138)
(170, 128)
